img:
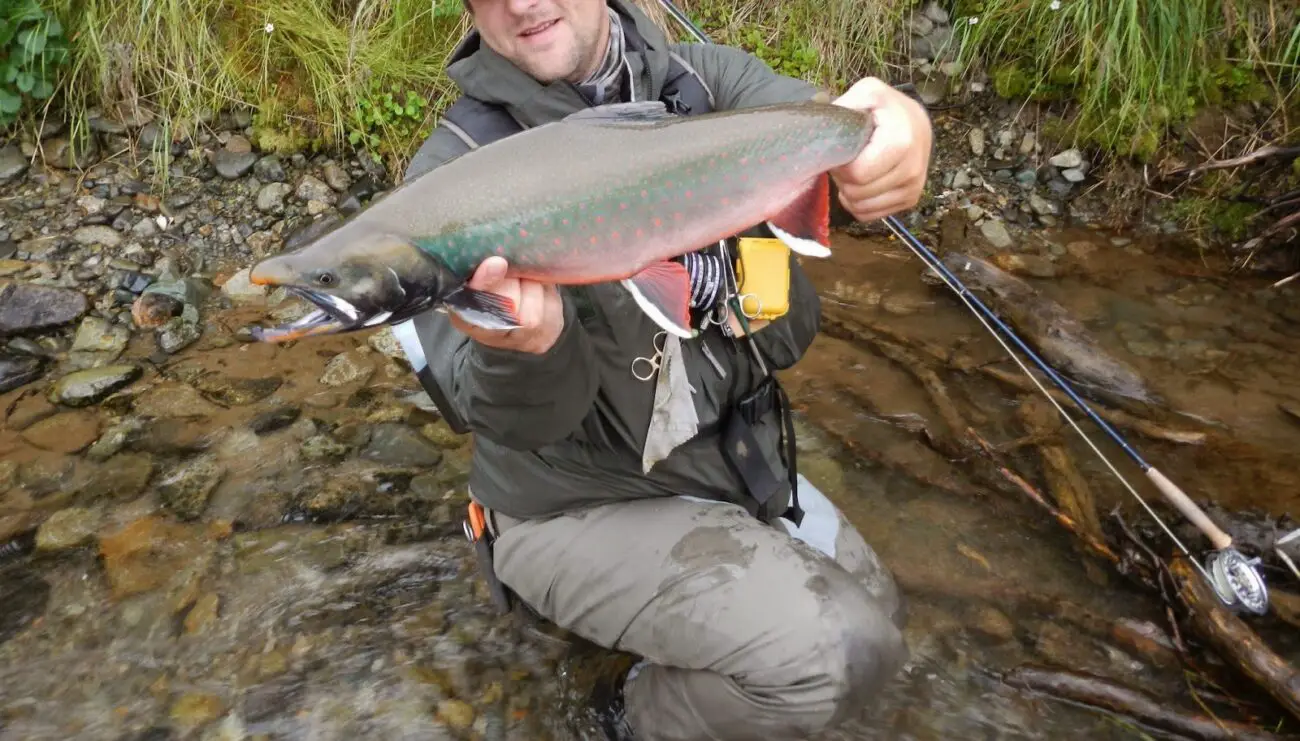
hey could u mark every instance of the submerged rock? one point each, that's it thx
(86, 387)
(18, 370)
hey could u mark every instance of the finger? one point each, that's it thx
(880, 207)
(490, 272)
(860, 190)
(531, 304)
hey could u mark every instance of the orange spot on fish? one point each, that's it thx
(614, 235)
(622, 207)
(600, 219)
(688, 194)
(782, 158)
(501, 250)
(593, 239)
(557, 242)
(744, 160)
(677, 215)
(645, 194)
(640, 232)
(565, 222)
(659, 222)
(523, 232)
(725, 200)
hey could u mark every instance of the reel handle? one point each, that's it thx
(1196, 515)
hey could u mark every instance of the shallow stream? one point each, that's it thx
(321, 589)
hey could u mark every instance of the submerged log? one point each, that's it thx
(1235, 640)
(1098, 692)
(1115, 417)
(1067, 485)
(1093, 541)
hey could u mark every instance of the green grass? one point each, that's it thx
(1134, 68)
(316, 73)
(323, 73)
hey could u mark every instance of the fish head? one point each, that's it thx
(356, 279)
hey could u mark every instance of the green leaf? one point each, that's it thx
(8, 73)
(26, 81)
(53, 28)
(32, 40)
(42, 89)
(9, 103)
(7, 31)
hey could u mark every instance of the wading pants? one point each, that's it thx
(747, 632)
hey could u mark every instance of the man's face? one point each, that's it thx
(549, 39)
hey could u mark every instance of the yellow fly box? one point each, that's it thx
(763, 274)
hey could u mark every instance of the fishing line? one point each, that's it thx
(963, 293)
(1234, 579)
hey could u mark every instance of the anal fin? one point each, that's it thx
(804, 224)
(483, 308)
(663, 291)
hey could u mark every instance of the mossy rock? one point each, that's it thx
(1012, 81)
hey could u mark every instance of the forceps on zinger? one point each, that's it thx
(652, 362)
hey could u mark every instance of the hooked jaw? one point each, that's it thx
(332, 314)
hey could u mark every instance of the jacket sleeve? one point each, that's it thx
(739, 79)
(519, 400)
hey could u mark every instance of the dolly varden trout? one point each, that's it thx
(610, 193)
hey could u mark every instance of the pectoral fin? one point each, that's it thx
(483, 308)
(663, 291)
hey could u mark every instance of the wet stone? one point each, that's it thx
(85, 387)
(1035, 266)
(996, 233)
(185, 490)
(19, 370)
(993, 623)
(26, 597)
(270, 199)
(274, 419)
(397, 444)
(30, 308)
(310, 188)
(1067, 159)
(336, 177)
(12, 164)
(98, 335)
(173, 400)
(269, 169)
(122, 477)
(177, 334)
(175, 436)
(67, 433)
(319, 448)
(67, 528)
(345, 368)
(113, 440)
(233, 165)
(230, 392)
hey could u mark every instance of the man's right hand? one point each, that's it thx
(538, 305)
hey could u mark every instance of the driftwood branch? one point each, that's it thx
(1092, 542)
(1264, 153)
(1067, 485)
(1235, 640)
(1098, 692)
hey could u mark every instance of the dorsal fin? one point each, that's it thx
(640, 113)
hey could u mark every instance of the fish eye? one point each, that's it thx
(325, 278)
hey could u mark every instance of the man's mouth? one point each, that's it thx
(332, 314)
(539, 28)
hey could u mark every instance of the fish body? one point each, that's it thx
(1059, 338)
(608, 194)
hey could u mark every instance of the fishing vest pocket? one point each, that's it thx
(763, 275)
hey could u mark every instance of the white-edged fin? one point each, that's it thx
(483, 308)
(800, 245)
(663, 291)
(640, 113)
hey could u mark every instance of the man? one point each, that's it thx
(746, 632)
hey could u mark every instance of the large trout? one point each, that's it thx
(611, 193)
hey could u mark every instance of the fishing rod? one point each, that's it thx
(1235, 579)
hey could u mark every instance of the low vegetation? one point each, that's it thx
(368, 73)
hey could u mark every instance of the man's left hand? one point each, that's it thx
(889, 174)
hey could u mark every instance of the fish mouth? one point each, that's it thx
(332, 314)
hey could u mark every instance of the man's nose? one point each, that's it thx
(522, 7)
